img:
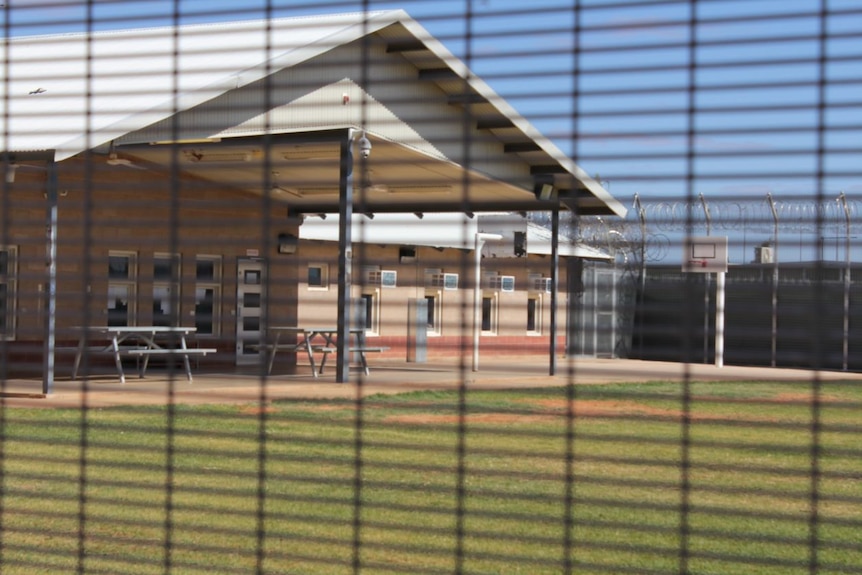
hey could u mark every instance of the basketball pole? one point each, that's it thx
(719, 319)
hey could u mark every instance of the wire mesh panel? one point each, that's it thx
(430, 287)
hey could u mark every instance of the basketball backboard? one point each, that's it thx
(704, 254)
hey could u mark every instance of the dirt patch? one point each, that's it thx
(547, 411)
(599, 407)
(803, 398)
(491, 418)
(256, 409)
(554, 410)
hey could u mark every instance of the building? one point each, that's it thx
(438, 268)
(173, 167)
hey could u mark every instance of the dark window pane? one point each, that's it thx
(251, 300)
(118, 313)
(162, 269)
(160, 314)
(118, 267)
(204, 307)
(486, 313)
(365, 322)
(429, 300)
(206, 270)
(315, 277)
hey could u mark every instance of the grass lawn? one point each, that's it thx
(648, 478)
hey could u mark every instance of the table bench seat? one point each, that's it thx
(140, 342)
(361, 350)
(174, 351)
(277, 347)
(101, 349)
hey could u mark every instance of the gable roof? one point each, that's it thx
(68, 93)
(73, 92)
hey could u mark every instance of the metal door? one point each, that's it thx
(593, 312)
(250, 309)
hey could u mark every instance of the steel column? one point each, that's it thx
(345, 256)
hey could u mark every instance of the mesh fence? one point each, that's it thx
(430, 287)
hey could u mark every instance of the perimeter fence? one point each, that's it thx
(347, 287)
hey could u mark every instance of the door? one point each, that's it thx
(593, 311)
(249, 310)
(605, 310)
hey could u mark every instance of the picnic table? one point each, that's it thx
(140, 341)
(311, 339)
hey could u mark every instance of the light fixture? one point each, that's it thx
(186, 141)
(299, 152)
(197, 156)
(364, 146)
(420, 189)
(276, 189)
(543, 187)
(287, 243)
(317, 191)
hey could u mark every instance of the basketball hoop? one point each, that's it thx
(696, 263)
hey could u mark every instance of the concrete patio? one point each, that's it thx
(387, 376)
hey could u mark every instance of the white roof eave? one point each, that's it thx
(519, 121)
(98, 124)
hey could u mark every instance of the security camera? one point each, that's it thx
(364, 146)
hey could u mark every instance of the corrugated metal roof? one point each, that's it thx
(73, 92)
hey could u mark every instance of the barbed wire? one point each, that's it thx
(643, 232)
(806, 216)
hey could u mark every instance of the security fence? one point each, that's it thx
(565, 286)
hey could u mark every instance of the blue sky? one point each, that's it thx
(756, 128)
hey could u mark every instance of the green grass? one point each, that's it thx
(223, 489)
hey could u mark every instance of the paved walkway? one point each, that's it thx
(386, 377)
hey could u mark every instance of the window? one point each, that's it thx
(371, 275)
(318, 276)
(489, 314)
(490, 280)
(122, 276)
(538, 283)
(166, 289)
(388, 278)
(8, 290)
(431, 302)
(499, 283)
(450, 281)
(491, 284)
(208, 294)
(370, 311)
(434, 302)
(534, 315)
(435, 278)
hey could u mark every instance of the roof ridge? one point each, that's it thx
(203, 25)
